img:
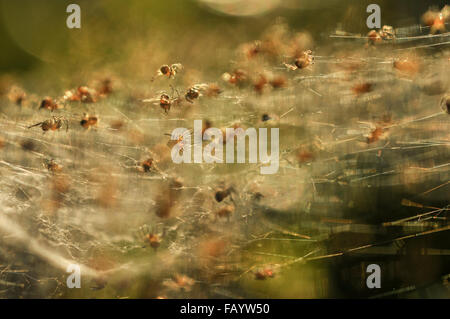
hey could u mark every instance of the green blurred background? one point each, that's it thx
(33, 33)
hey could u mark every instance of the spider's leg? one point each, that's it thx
(35, 125)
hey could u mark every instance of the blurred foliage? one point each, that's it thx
(34, 32)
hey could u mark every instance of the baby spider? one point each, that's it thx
(220, 195)
(265, 117)
(373, 37)
(436, 20)
(147, 165)
(153, 240)
(169, 71)
(83, 94)
(197, 90)
(192, 94)
(49, 104)
(264, 274)
(165, 101)
(53, 124)
(88, 120)
(278, 82)
(212, 90)
(387, 32)
(361, 88)
(179, 139)
(260, 83)
(17, 95)
(148, 236)
(179, 283)
(52, 166)
(408, 66)
(225, 212)
(375, 135)
(105, 87)
(238, 77)
(301, 62)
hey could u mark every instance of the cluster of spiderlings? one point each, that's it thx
(355, 124)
